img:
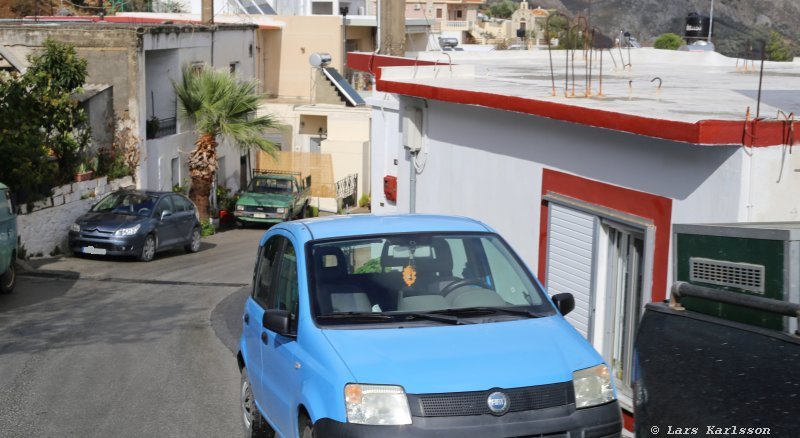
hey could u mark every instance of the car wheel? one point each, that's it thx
(9, 279)
(252, 420)
(306, 428)
(194, 243)
(148, 249)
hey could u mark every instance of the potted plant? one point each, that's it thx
(85, 169)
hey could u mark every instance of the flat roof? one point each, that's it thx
(703, 98)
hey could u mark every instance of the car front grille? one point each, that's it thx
(475, 402)
(260, 209)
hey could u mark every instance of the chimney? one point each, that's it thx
(392, 27)
(207, 12)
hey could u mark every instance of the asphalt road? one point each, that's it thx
(98, 348)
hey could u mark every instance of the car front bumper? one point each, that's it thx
(83, 243)
(562, 421)
(264, 218)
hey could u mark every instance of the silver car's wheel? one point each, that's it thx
(194, 243)
(254, 424)
(148, 249)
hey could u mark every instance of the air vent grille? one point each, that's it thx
(744, 276)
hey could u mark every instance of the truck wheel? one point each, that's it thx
(9, 279)
(254, 424)
(304, 211)
(148, 249)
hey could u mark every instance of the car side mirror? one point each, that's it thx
(564, 302)
(279, 321)
(165, 213)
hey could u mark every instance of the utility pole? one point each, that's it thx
(392, 27)
(207, 12)
(711, 21)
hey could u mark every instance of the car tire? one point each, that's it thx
(253, 423)
(194, 241)
(304, 211)
(148, 249)
(306, 428)
(9, 279)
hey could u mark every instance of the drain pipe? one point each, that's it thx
(412, 184)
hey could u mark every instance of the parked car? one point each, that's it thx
(273, 196)
(8, 241)
(417, 325)
(137, 223)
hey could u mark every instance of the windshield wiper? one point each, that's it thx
(364, 316)
(434, 316)
(464, 311)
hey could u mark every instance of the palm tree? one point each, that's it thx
(220, 105)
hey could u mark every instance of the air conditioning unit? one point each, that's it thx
(758, 259)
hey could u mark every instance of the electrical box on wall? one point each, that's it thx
(390, 188)
(412, 128)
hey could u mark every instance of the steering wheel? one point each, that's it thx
(463, 282)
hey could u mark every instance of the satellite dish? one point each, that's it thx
(319, 60)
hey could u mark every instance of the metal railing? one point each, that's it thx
(157, 128)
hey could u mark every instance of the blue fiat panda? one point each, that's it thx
(401, 326)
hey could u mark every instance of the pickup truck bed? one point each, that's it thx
(696, 371)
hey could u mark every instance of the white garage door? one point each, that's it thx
(570, 260)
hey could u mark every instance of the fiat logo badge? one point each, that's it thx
(498, 403)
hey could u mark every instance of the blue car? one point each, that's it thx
(137, 223)
(400, 326)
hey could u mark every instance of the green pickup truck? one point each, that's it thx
(273, 196)
(8, 241)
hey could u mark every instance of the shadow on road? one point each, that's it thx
(58, 312)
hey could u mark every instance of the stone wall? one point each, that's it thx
(43, 231)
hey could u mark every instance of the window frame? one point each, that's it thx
(264, 301)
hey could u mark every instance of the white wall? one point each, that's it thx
(487, 164)
(386, 147)
(165, 54)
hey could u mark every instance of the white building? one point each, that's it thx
(585, 180)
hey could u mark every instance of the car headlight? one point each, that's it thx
(280, 210)
(75, 227)
(376, 404)
(592, 386)
(240, 208)
(130, 231)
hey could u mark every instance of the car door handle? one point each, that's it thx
(246, 318)
(264, 338)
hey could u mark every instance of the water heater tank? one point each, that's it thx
(696, 26)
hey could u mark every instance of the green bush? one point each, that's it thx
(364, 200)
(668, 41)
(207, 228)
(777, 49)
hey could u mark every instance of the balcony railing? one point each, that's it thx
(157, 128)
(456, 25)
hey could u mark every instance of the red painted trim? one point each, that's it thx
(373, 63)
(655, 208)
(627, 420)
(130, 20)
(703, 132)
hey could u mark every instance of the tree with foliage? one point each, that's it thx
(569, 37)
(668, 41)
(777, 49)
(503, 9)
(222, 106)
(39, 119)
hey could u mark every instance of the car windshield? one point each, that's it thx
(271, 185)
(444, 278)
(127, 203)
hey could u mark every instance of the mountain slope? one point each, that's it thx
(735, 21)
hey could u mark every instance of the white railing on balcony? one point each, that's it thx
(456, 25)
